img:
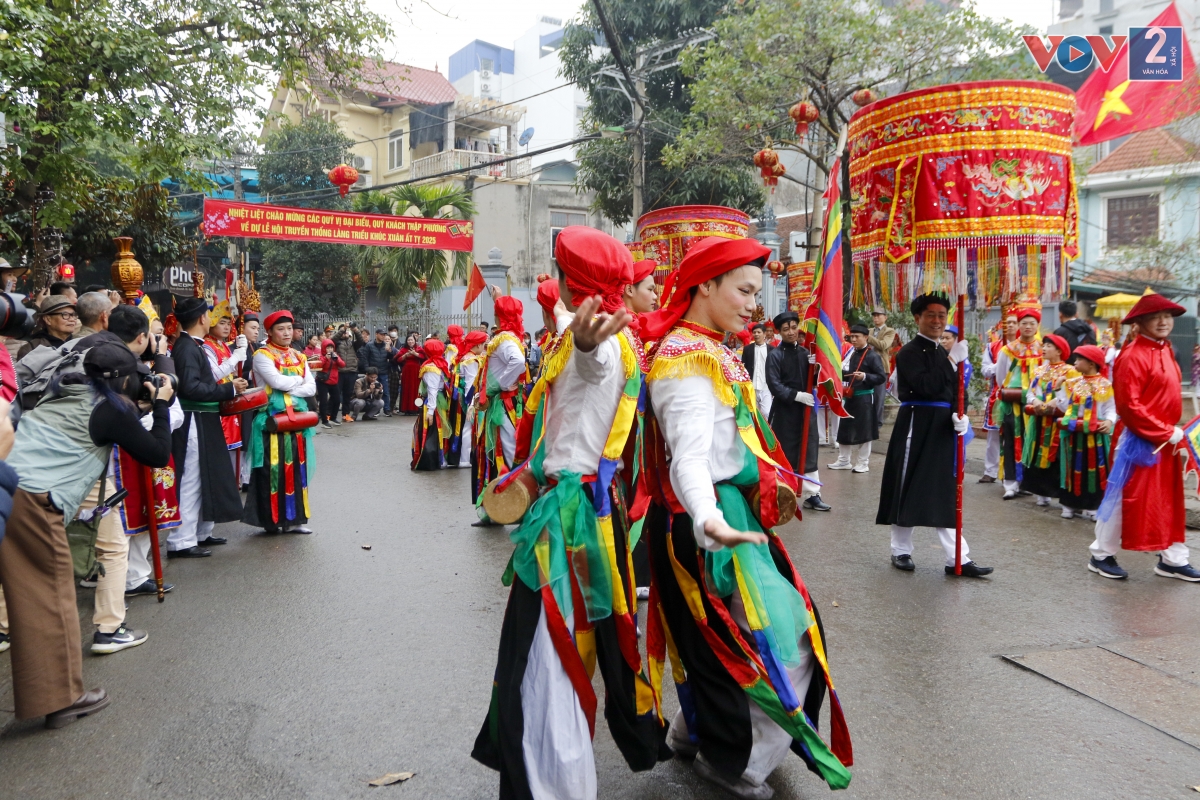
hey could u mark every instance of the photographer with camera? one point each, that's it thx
(61, 448)
(208, 489)
(368, 395)
(344, 339)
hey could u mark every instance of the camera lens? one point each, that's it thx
(15, 320)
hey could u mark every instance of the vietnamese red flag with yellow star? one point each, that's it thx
(1109, 105)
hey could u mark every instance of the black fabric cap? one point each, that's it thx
(190, 309)
(786, 316)
(109, 360)
(924, 301)
(860, 328)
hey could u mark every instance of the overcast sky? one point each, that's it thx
(433, 29)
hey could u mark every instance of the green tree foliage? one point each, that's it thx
(152, 85)
(305, 278)
(605, 165)
(770, 54)
(399, 268)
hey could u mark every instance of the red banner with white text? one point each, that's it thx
(262, 221)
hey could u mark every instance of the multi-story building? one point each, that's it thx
(528, 74)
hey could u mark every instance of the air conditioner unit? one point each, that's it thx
(363, 182)
(361, 163)
(485, 87)
(798, 245)
(485, 73)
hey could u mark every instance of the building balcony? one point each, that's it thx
(448, 160)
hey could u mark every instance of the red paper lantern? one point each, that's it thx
(66, 272)
(343, 176)
(422, 284)
(803, 113)
(776, 268)
(767, 161)
(864, 97)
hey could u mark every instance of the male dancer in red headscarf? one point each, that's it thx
(1143, 504)
(499, 398)
(568, 616)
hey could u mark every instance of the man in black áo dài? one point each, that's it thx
(919, 474)
(791, 385)
(862, 371)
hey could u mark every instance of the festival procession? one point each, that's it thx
(824, 401)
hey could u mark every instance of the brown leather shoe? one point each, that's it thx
(89, 703)
(987, 479)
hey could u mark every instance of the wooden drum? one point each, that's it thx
(785, 498)
(508, 506)
(246, 401)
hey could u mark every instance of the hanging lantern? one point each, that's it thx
(66, 272)
(803, 114)
(422, 284)
(864, 97)
(767, 161)
(776, 267)
(343, 176)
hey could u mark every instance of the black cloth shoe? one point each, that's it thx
(191, 552)
(387, 413)
(815, 503)
(904, 563)
(211, 540)
(88, 703)
(148, 587)
(986, 479)
(971, 570)
(485, 523)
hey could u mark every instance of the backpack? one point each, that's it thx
(42, 365)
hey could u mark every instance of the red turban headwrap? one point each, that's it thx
(277, 317)
(547, 295)
(643, 270)
(1064, 348)
(1151, 304)
(1023, 311)
(471, 340)
(594, 263)
(510, 315)
(1092, 353)
(708, 259)
(435, 353)
(455, 332)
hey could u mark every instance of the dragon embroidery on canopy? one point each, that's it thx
(1007, 181)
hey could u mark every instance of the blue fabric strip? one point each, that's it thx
(925, 404)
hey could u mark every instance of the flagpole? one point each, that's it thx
(961, 444)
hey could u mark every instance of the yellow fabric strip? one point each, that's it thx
(687, 365)
(608, 540)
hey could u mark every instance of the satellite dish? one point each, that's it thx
(525, 137)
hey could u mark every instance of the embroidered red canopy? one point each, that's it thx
(965, 188)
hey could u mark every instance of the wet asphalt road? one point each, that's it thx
(302, 667)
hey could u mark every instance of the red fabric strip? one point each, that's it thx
(569, 656)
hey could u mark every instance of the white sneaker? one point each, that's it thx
(1068, 514)
(1043, 502)
(1088, 515)
(861, 470)
(841, 465)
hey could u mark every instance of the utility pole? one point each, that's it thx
(639, 139)
(653, 58)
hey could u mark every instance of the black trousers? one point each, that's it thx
(346, 390)
(329, 399)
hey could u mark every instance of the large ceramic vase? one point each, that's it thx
(126, 271)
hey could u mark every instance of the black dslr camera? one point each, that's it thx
(158, 379)
(16, 321)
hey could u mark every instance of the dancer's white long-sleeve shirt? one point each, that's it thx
(704, 444)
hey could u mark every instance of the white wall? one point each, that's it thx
(552, 115)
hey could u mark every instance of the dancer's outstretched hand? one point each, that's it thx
(589, 329)
(720, 530)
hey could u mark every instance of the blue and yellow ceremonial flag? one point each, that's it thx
(1191, 437)
(823, 320)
